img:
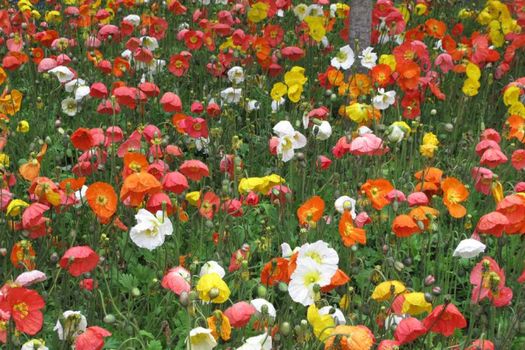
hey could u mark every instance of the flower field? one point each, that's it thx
(245, 174)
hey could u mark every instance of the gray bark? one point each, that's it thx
(360, 26)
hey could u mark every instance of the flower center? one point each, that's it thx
(21, 308)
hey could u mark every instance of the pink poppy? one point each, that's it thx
(486, 144)
(362, 219)
(233, 207)
(113, 135)
(492, 158)
(483, 179)
(33, 220)
(488, 280)
(175, 182)
(25, 279)
(368, 144)
(252, 199)
(239, 314)
(194, 169)
(273, 143)
(177, 280)
(388, 345)
(481, 345)
(323, 162)
(293, 53)
(491, 134)
(196, 107)
(341, 147)
(47, 64)
(108, 108)
(5, 198)
(518, 159)
(444, 62)
(78, 260)
(98, 90)
(395, 195)
(159, 201)
(171, 102)
(519, 187)
(238, 257)
(417, 198)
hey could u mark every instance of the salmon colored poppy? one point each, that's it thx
(120, 66)
(275, 271)
(409, 73)
(194, 169)
(350, 338)
(311, 211)
(79, 260)
(493, 223)
(23, 255)
(102, 199)
(137, 185)
(209, 205)
(516, 126)
(445, 319)
(376, 190)
(405, 226)
(350, 234)
(46, 191)
(71, 185)
(454, 192)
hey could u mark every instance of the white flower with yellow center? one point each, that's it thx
(289, 140)
(307, 277)
(70, 106)
(259, 342)
(212, 267)
(236, 75)
(321, 254)
(344, 203)
(149, 43)
(150, 230)
(383, 99)
(200, 339)
(344, 59)
(368, 58)
(62, 73)
(35, 344)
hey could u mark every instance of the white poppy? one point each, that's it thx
(261, 303)
(383, 99)
(212, 267)
(307, 275)
(149, 43)
(368, 58)
(289, 140)
(321, 253)
(315, 10)
(133, 19)
(63, 74)
(363, 130)
(253, 105)
(200, 339)
(80, 196)
(236, 75)
(323, 131)
(231, 95)
(344, 203)
(277, 104)
(469, 248)
(71, 85)
(259, 342)
(344, 59)
(150, 230)
(300, 11)
(69, 106)
(34, 344)
(71, 325)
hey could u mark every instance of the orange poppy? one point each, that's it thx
(23, 255)
(334, 76)
(376, 191)
(405, 226)
(409, 73)
(350, 338)
(381, 75)
(46, 191)
(120, 66)
(516, 126)
(338, 279)
(275, 271)
(454, 192)
(435, 28)
(102, 199)
(3, 76)
(311, 211)
(71, 185)
(10, 102)
(359, 85)
(349, 233)
(219, 325)
(423, 214)
(136, 186)
(430, 180)
(134, 163)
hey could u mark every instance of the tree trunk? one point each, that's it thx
(360, 26)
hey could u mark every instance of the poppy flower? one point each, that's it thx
(481, 344)
(454, 192)
(388, 289)
(23, 255)
(338, 279)
(78, 260)
(220, 326)
(445, 319)
(376, 191)
(33, 220)
(405, 226)
(92, 338)
(483, 179)
(275, 271)
(177, 280)
(175, 182)
(102, 199)
(194, 169)
(209, 205)
(408, 330)
(24, 305)
(239, 314)
(350, 234)
(493, 157)
(493, 223)
(136, 186)
(311, 211)
(350, 338)
(488, 280)
(82, 139)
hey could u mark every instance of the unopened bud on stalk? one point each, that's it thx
(429, 297)
(429, 280)
(184, 298)
(285, 328)
(436, 290)
(109, 319)
(213, 293)
(261, 291)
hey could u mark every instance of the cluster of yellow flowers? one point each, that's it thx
(472, 84)
(511, 98)
(496, 16)
(259, 184)
(294, 81)
(429, 146)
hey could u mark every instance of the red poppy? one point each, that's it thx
(179, 65)
(209, 205)
(194, 169)
(78, 260)
(171, 102)
(33, 220)
(408, 330)
(194, 127)
(193, 39)
(481, 345)
(91, 339)
(445, 319)
(82, 139)
(24, 305)
(492, 223)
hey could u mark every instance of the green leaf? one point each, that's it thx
(128, 281)
(154, 345)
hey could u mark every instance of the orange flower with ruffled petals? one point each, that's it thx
(454, 192)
